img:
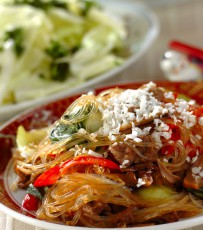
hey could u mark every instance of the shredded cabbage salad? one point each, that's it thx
(49, 46)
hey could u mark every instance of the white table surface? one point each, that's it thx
(182, 20)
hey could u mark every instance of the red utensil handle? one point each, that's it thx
(187, 49)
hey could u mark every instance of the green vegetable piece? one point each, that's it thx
(75, 113)
(44, 5)
(184, 97)
(198, 193)
(10, 96)
(72, 114)
(34, 191)
(93, 123)
(24, 137)
(87, 5)
(62, 131)
(59, 71)
(155, 192)
(56, 50)
(88, 121)
(16, 36)
(82, 7)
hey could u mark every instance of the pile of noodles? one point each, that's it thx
(71, 196)
(96, 197)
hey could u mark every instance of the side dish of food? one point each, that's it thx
(121, 158)
(52, 49)
(55, 45)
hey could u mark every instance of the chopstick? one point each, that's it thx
(187, 49)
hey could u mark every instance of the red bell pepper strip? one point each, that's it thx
(198, 112)
(50, 176)
(89, 160)
(175, 132)
(192, 149)
(175, 136)
(167, 150)
(175, 94)
(30, 202)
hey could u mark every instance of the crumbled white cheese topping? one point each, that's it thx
(200, 121)
(181, 105)
(124, 164)
(132, 107)
(128, 106)
(189, 120)
(79, 151)
(165, 160)
(161, 130)
(170, 108)
(192, 160)
(92, 153)
(191, 102)
(169, 95)
(140, 182)
(197, 172)
(137, 132)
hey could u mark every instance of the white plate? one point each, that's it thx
(47, 114)
(143, 28)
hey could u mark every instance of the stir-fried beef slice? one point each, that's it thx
(149, 152)
(124, 154)
(23, 179)
(166, 218)
(128, 178)
(96, 208)
(145, 172)
(146, 178)
(128, 126)
(193, 178)
(157, 92)
(159, 179)
(127, 155)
